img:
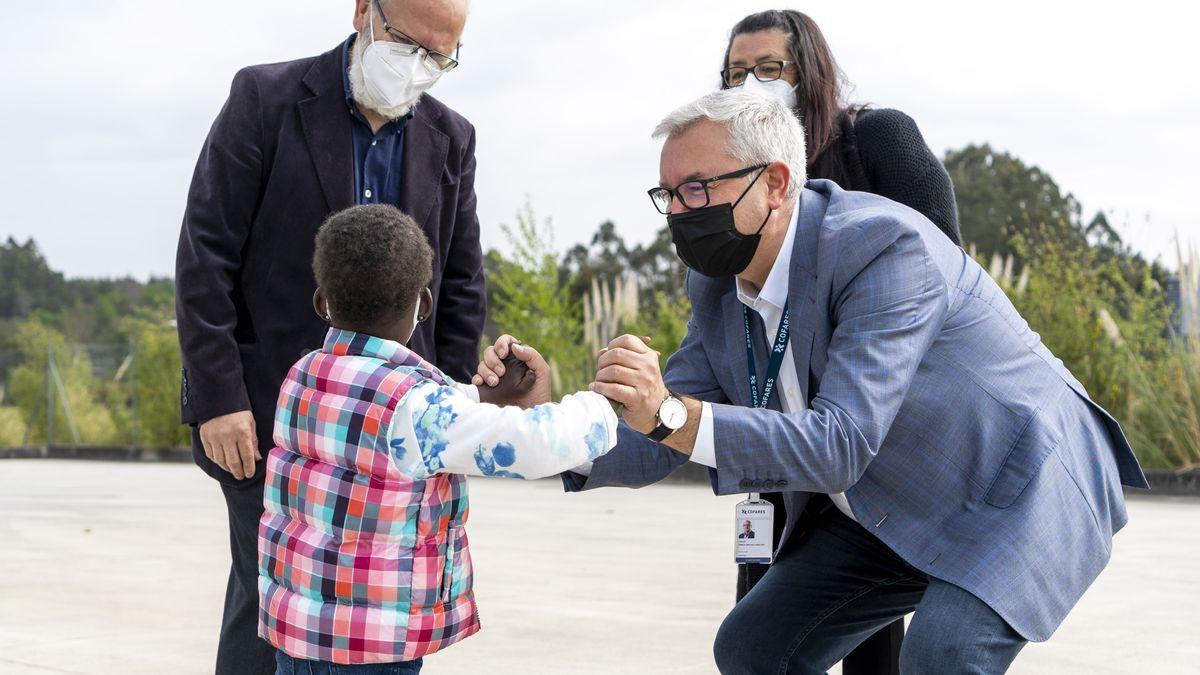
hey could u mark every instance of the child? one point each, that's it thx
(363, 556)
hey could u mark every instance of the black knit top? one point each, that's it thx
(883, 152)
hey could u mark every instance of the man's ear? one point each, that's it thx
(778, 177)
(426, 304)
(321, 305)
(361, 8)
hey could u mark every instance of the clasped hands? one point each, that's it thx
(627, 373)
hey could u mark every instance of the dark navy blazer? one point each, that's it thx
(278, 161)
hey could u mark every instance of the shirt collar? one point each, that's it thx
(340, 342)
(774, 291)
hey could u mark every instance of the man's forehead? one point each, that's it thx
(697, 152)
(436, 23)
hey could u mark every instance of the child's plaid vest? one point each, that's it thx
(357, 563)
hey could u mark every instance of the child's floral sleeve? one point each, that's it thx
(442, 429)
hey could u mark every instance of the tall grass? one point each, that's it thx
(1121, 342)
(1165, 396)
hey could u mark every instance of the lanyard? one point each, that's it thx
(776, 362)
(777, 351)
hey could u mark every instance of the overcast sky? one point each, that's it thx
(106, 104)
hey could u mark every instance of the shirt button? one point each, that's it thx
(367, 193)
(375, 142)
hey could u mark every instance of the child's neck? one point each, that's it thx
(391, 331)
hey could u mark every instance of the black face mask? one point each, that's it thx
(707, 239)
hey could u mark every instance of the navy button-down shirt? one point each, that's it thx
(378, 157)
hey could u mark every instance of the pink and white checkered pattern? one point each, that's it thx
(358, 563)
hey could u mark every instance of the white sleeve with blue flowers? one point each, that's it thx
(441, 429)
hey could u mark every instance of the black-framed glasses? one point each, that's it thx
(693, 193)
(407, 44)
(767, 71)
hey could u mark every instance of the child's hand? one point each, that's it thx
(513, 374)
(515, 384)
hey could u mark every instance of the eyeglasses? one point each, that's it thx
(766, 71)
(693, 193)
(405, 43)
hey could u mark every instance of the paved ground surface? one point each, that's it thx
(120, 568)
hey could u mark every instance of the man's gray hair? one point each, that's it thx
(761, 129)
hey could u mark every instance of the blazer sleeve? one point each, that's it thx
(890, 307)
(462, 300)
(902, 168)
(221, 204)
(638, 461)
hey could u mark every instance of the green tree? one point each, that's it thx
(12, 427)
(655, 266)
(29, 386)
(28, 282)
(529, 301)
(152, 381)
(1000, 197)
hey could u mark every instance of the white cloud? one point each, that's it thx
(106, 103)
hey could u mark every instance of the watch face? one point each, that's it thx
(672, 413)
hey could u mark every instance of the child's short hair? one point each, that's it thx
(370, 262)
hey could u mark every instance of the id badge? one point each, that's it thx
(754, 531)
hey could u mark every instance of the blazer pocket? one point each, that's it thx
(1024, 460)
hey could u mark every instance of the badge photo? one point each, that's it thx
(753, 532)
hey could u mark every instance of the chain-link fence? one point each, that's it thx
(80, 394)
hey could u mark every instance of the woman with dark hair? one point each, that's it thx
(782, 53)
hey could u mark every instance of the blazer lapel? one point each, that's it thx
(425, 150)
(735, 346)
(802, 285)
(325, 119)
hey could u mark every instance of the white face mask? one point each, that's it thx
(393, 81)
(777, 89)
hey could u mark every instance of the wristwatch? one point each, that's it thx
(672, 415)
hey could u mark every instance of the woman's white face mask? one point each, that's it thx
(389, 81)
(776, 89)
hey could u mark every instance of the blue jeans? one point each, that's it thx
(835, 586)
(287, 665)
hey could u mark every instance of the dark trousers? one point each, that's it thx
(241, 651)
(837, 585)
(879, 654)
(293, 666)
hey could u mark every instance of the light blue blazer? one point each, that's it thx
(958, 438)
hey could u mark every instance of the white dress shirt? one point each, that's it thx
(768, 302)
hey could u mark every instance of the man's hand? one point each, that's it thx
(628, 373)
(230, 441)
(530, 389)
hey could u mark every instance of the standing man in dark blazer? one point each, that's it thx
(294, 143)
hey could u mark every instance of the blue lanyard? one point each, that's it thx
(773, 366)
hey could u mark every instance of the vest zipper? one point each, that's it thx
(448, 570)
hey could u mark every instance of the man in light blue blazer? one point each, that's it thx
(934, 456)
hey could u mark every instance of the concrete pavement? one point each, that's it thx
(120, 568)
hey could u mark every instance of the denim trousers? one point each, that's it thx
(834, 587)
(287, 665)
